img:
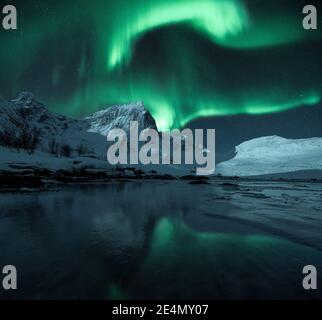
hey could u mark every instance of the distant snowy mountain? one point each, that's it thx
(273, 154)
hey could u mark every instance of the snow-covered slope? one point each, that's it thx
(273, 154)
(26, 117)
(119, 116)
(61, 143)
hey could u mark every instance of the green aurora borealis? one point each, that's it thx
(184, 58)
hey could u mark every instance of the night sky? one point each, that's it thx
(185, 59)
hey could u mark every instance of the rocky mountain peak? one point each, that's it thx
(120, 116)
(27, 99)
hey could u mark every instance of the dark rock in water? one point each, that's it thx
(139, 172)
(8, 181)
(166, 177)
(255, 195)
(195, 177)
(157, 177)
(123, 180)
(189, 177)
(230, 186)
(199, 182)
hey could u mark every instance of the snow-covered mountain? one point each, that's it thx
(27, 126)
(273, 154)
(119, 116)
(24, 119)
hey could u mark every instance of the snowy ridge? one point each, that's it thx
(26, 114)
(60, 143)
(273, 154)
(119, 116)
(84, 140)
(83, 137)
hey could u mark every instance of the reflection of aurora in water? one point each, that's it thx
(184, 59)
(181, 257)
(182, 241)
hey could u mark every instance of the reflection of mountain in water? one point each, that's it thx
(181, 241)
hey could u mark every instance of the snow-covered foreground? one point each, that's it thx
(14, 161)
(271, 155)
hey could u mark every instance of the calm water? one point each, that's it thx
(158, 240)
